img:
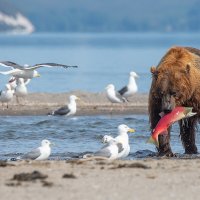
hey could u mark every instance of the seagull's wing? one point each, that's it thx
(123, 90)
(62, 111)
(104, 152)
(11, 64)
(32, 155)
(120, 147)
(119, 96)
(48, 65)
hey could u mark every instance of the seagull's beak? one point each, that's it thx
(131, 130)
(38, 75)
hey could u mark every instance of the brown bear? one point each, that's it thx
(176, 82)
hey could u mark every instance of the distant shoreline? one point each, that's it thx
(90, 104)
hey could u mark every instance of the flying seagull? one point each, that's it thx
(69, 109)
(41, 153)
(26, 71)
(113, 96)
(131, 88)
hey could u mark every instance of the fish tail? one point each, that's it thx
(188, 112)
(153, 141)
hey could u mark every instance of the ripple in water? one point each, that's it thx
(76, 136)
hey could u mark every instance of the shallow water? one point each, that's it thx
(74, 136)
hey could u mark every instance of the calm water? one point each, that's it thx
(74, 136)
(102, 59)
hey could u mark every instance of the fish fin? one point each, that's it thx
(152, 141)
(161, 114)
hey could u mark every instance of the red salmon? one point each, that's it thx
(167, 120)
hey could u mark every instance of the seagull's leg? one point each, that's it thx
(7, 105)
(2, 106)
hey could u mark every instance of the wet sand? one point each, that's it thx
(90, 104)
(143, 179)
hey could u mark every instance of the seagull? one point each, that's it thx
(6, 95)
(70, 109)
(122, 140)
(115, 148)
(41, 153)
(20, 89)
(26, 71)
(110, 150)
(113, 96)
(131, 88)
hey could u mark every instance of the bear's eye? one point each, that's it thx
(173, 93)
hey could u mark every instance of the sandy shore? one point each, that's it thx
(90, 103)
(144, 179)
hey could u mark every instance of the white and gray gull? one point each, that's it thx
(113, 96)
(69, 109)
(115, 148)
(131, 88)
(41, 153)
(26, 71)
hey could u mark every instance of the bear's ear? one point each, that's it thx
(153, 70)
(187, 69)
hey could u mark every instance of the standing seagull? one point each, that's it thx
(27, 72)
(122, 140)
(113, 96)
(117, 147)
(110, 150)
(70, 109)
(20, 89)
(41, 153)
(131, 88)
(6, 95)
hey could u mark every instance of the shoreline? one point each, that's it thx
(90, 104)
(101, 179)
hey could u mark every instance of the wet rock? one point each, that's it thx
(131, 165)
(69, 176)
(29, 176)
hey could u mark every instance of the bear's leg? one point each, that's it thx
(187, 132)
(164, 145)
(164, 140)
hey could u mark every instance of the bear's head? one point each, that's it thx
(172, 80)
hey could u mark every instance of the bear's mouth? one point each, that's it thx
(166, 111)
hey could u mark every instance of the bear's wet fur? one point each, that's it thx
(176, 82)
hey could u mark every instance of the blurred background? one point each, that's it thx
(107, 39)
